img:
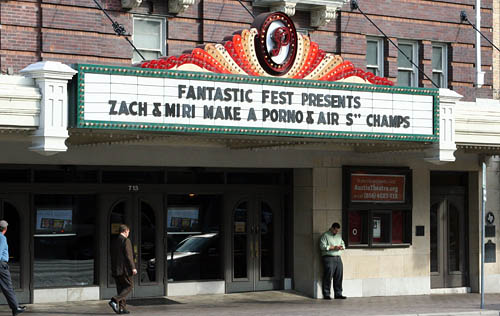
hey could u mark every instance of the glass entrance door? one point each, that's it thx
(14, 209)
(141, 213)
(448, 242)
(253, 238)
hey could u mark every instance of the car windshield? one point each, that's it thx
(193, 244)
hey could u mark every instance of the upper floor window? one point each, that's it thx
(375, 56)
(440, 65)
(149, 38)
(407, 72)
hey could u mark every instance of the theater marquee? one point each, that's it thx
(284, 87)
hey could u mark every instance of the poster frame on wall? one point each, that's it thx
(404, 202)
(365, 213)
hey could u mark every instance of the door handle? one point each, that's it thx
(257, 249)
(251, 249)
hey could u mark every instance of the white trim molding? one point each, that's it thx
(322, 11)
(286, 7)
(19, 103)
(369, 287)
(179, 6)
(444, 151)
(52, 80)
(477, 124)
(323, 15)
(60, 295)
(196, 288)
(131, 4)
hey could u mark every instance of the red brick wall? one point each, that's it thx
(71, 31)
(75, 31)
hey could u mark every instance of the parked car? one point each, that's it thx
(196, 257)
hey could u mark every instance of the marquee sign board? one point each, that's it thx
(165, 100)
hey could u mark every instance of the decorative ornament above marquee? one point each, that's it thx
(179, 6)
(322, 12)
(131, 4)
(270, 48)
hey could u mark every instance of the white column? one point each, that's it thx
(444, 151)
(52, 80)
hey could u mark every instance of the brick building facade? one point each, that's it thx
(75, 31)
(219, 201)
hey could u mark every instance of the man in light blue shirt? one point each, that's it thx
(5, 279)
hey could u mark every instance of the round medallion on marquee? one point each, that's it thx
(276, 43)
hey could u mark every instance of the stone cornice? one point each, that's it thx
(284, 6)
(179, 6)
(19, 102)
(130, 4)
(323, 15)
(477, 124)
(322, 11)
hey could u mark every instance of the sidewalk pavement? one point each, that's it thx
(280, 303)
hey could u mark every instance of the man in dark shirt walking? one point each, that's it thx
(5, 279)
(123, 269)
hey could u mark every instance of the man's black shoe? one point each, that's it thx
(18, 310)
(114, 306)
(124, 311)
(327, 298)
(340, 297)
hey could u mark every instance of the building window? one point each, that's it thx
(377, 206)
(407, 72)
(149, 38)
(375, 56)
(194, 241)
(440, 65)
(65, 244)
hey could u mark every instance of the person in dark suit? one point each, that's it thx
(122, 269)
(5, 279)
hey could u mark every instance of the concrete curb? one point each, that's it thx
(471, 313)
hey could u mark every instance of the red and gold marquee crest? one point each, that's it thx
(270, 48)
